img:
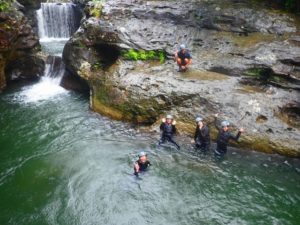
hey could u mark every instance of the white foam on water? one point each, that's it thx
(47, 40)
(46, 88)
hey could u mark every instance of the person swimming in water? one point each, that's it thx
(183, 58)
(141, 164)
(224, 136)
(202, 136)
(168, 128)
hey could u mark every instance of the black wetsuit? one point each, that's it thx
(142, 166)
(222, 140)
(183, 56)
(168, 130)
(202, 138)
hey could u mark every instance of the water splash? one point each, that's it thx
(49, 85)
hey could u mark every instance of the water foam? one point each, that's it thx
(46, 88)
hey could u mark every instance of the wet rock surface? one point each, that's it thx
(19, 46)
(245, 66)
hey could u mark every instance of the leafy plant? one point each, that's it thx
(97, 66)
(96, 10)
(5, 5)
(144, 55)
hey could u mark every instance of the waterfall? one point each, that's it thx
(49, 85)
(56, 23)
(54, 69)
(56, 20)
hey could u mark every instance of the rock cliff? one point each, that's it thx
(246, 66)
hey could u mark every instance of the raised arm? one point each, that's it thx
(236, 138)
(217, 126)
(196, 133)
(161, 127)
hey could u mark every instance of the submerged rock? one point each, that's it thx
(143, 91)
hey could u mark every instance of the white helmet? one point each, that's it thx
(142, 153)
(182, 47)
(225, 123)
(169, 117)
(199, 119)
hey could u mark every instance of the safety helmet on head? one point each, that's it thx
(182, 47)
(142, 153)
(225, 123)
(199, 119)
(169, 117)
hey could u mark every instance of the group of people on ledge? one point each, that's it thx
(201, 140)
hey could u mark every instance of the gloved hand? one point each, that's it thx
(163, 120)
(242, 130)
(174, 122)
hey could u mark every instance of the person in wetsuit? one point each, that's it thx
(183, 58)
(202, 136)
(141, 164)
(224, 136)
(168, 128)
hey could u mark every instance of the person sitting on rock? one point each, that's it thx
(183, 58)
(168, 128)
(141, 164)
(202, 136)
(224, 136)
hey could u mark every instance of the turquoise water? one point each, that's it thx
(62, 164)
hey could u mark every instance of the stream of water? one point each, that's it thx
(62, 164)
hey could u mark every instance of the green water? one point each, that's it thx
(62, 164)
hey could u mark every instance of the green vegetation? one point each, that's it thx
(263, 74)
(5, 5)
(96, 10)
(255, 72)
(290, 5)
(97, 66)
(144, 55)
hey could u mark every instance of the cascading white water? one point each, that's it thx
(56, 20)
(49, 85)
(56, 23)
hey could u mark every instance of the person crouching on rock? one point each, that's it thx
(202, 136)
(224, 137)
(168, 128)
(183, 58)
(141, 164)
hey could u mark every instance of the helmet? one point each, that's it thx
(142, 153)
(198, 119)
(225, 123)
(169, 117)
(182, 47)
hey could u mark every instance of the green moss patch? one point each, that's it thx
(5, 5)
(96, 10)
(263, 74)
(144, 55)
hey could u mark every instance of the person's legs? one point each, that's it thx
(179, 62)
(173, 142)
(162, 140)
(219, 154)
(205, 148)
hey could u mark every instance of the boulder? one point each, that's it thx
(240, 57)
(19, 47)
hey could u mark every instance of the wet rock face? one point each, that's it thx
(18, 48)
(227, 40)
(31, 4)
